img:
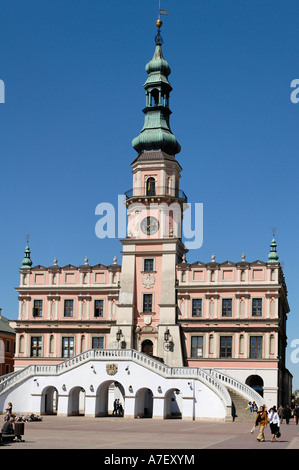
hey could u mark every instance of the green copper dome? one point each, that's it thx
(156, 133)
(27, 262)
(273, 256)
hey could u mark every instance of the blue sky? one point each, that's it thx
(73, 73)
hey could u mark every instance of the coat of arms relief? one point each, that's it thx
(111, 369)
(148, 281)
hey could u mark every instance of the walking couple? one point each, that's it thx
(261, 420)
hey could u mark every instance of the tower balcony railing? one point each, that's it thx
(156, 191)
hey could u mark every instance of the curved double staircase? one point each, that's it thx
(234, 394)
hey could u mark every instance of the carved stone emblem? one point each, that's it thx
(148, 281)
(111, 369)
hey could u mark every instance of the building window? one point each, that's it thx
(226, 307)
(196, 307)
(256, 343)
(38, 308)
(97, 342)
(36, 346)
(150, 187)
(147, 303)
(7, 346)
(256, 307)
(67, 346)
(196, 346)
(99, 308)
(225, 346)
(149, 265)
(68, 308)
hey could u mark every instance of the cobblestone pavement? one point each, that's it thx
(112, 434)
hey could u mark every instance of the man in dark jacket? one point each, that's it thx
(7, 427)
(287, 413)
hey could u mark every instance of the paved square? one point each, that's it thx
(112, 434)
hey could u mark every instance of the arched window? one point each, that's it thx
(151, 186)
(256, 382)
(147, 347)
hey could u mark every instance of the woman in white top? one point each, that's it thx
(274, 422)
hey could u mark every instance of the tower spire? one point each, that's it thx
(156, 133)
(27, 262)
(273, 256)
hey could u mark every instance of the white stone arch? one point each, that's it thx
(106, 393)
(76, 401)
(49, 400)
(173, 404)
(144, 403)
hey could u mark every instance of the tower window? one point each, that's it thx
(149, 265)
(155, 98)
(147, 303)
(151, 186)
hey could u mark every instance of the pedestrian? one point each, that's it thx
(297, 414)
(120, 410)
(293, 408)
(9, 410)
(261, 421)
(115, 407)
(287, 413)
(280, 413)
(274, 423)
(250, 406)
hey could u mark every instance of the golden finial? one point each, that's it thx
(159, 23)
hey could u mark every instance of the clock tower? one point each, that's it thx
(147, 307)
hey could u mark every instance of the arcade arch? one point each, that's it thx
(49, 404)
(107, 393)
(173, 404)
(76, 402)
(144, 403)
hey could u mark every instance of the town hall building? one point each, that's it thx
(218, 324)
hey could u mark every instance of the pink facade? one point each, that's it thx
(245, 302)
(64, 311)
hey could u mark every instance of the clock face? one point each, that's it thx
(149, 225)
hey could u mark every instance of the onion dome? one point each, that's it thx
(156, 133)
(273, 256)
(27, 262)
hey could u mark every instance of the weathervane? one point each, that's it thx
(274, 231)
(27, 238)
(158, 37)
